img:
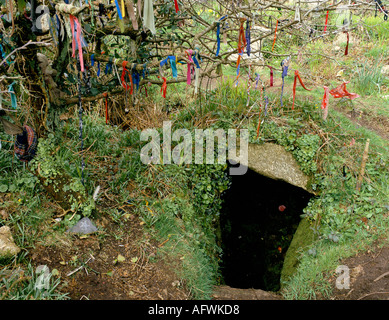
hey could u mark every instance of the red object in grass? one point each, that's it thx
(279, 249)
(281, 208)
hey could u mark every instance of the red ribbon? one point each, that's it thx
(325, 26)
(341, 91)
(297, 76)
(271, 75)
(163, 88)
(348, 38)
(326, 96)
(275, 36)
(105, 95)
(242, 38)
(122, 78)
(324, 103)
(176, 5)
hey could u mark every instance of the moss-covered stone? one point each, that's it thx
(303, 237)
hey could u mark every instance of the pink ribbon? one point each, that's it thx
(74, 20)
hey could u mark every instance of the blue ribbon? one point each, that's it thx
(218, 38)
(108, 68)
(173, 66)
(98, 68)
(13, 96)
(119, 11)
(284, 74)
(136, 79)
(256, 80)
(92, 59)
(248, 37)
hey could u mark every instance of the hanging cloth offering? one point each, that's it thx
(176, 6)
(196, 57)
(76, 37)
(275, 36)
(285, 66)
(148, 16)
(26, 144)
(190, 66)
(242, 39)
(341, 91)
(324, 103)
(131, 13)
(122, 78)
(325, 26)
(13, 96)
(119, 10)
(248, 37)
(218, 34)
(297, 76)
(348, 38)
(164, 87)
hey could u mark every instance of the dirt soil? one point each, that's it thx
(369, 276)
(120, 263)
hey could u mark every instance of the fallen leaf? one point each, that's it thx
(120, 258)
(135, 259)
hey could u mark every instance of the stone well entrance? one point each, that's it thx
(260, 215)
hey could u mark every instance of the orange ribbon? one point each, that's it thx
(275, 36)
(242, 38)
(297, 76)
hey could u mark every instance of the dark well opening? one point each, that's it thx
(258, 219)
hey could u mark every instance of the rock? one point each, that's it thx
(273, 161)
(385, 70)
(341, 39)
(303, 237)
(84, 226)
(8, 248)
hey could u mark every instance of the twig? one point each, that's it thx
(24, 47)
(369, 294)
(381, 276)
(363, 165)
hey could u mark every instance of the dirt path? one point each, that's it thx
(369, 276)
(123, 265)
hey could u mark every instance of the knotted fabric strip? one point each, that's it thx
(164, 87)
(76, 36)
(242, 39)
(275, 36)
(324, 103)
(176, 6)
(118, 9)
(348, 38)
(341, 91)
(248, 37)
(325, 25)
(122, 78)
(148, 16)
(297, 76)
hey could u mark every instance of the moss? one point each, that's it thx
(303, 237)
